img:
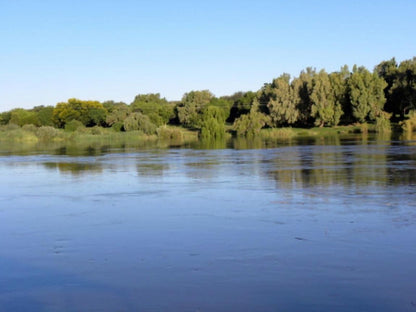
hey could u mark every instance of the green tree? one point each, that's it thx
(250, 124)
(90, 113)
(279, 98)
(302, 87)
(44, 115)
(5, 118)
(339, 88)
(402, 94)
(242, 102)
(189, 110)
(366, 92)
(21, 117)
(141, 122)
(212, 123)
(324, 107)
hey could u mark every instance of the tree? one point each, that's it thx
(21, 117)
(138, 121)
(402, 94)
(340, 94)
(90, 113)
(242, 102)
(302, 87)
(44, 115)
(189, 110)
(366, 93)
(212, 123)
(323, 105)
(251, 124)
(281, 101)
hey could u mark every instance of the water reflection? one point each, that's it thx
(309, 225)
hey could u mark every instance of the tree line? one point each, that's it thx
(314, 98)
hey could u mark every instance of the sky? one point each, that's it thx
(51, 50)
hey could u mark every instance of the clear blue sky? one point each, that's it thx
(52, 50)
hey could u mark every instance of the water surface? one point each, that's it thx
(313, 226)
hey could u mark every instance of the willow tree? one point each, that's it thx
(212, 123)
(191, 106)
(324, 108)
(281, 101)
(302, 88)
(366, 93)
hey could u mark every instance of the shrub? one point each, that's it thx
(383, 123)
(73, 125)
(138, 121)
(47, 133)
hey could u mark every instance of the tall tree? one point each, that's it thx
(90, 113)
(281, 101)
(190, 108)
(366, 93)
(339, 88)
(323, 105)
(302, 87)
(402, 94)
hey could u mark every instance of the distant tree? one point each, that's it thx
(340, 93)
(366, 92)
(302, 87)
(388, 70)
(279, 98)
(21, 117)
(324, 108)
(139, 121)
(90, 113)
(212, 123)
(44, 115)
(5, 118)
(242, 102)
(189, 110)
(117, 113)
(250, 124)
(402, 94)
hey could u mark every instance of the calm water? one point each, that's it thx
(319, 226)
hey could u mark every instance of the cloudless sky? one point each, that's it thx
(53, 50)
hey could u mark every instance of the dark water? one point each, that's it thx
(319, 226)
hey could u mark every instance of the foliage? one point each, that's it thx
(89, 113)
(138, 121)
(366, 93)
(189, 110)
(21, 117)
(383, 124)
(409, 125)
(302, 87)
(212, 123)
(158, 109)
(242, 102)
(47, 133)
(44, 115)
(250, 124)
(279, 97)
(117, 113)
(73, 125)
(324, 108)
(5, 118)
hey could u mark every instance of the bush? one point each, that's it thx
(138, 121)
(47, 133)
(173, 134)
(383, 123)
(30, 128)
(409, 125)
(73, 125)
